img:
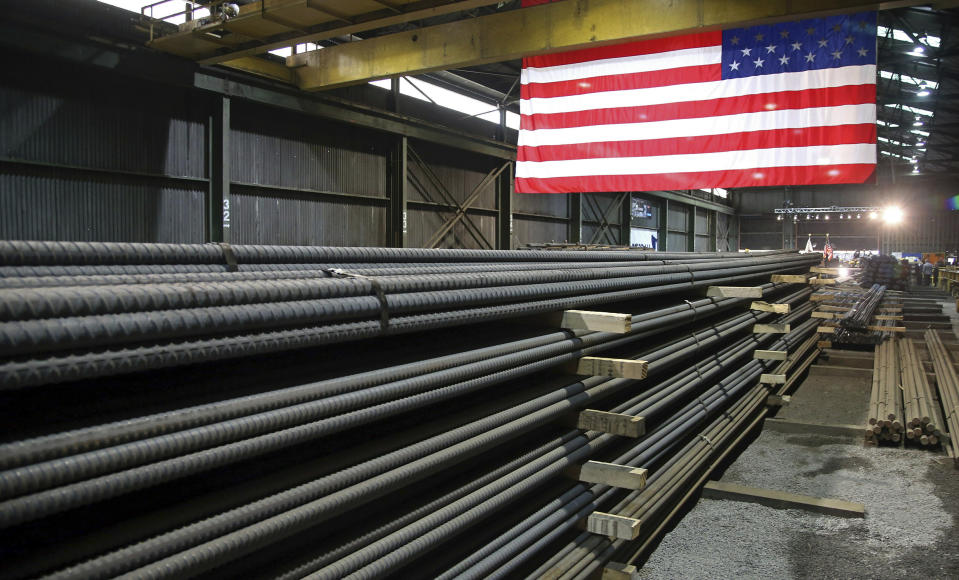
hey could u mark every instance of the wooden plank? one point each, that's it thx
(613, 475)
(783, 499)
(619, 527)
(824, 344)
(887, 317)
(770, 354)
(824, 315)
(598, 321)
(734, 292)
(612, 423)
(618, 571)
(762, 306)
(821, 297)
(771, 379)
(826, 330)
(790, 278)
(822, 281)
(622, 368)
(784, 426)
(771, 328)
(887, 328)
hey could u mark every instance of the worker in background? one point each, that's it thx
(926, 272)
(935, 275)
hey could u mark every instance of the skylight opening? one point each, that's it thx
(443, 97)
(901, 35)
(909, 109)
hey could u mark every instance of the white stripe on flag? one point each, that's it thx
(701, 162)
(624, 65)
(813, 79)
(696, 127)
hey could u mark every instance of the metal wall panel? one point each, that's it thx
(271, 147)
(676, 219)
(65, 206)
(280, 217)
(458, 173)
(551, 204)
(677, 241)
(129, 127)
(423, 222)
(527, 231)
(702, 244)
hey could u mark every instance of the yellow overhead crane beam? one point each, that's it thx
(547, 28)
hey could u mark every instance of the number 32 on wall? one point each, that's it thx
(226, 213)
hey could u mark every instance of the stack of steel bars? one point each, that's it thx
(885, 401)
(948, 385)
(853, 326)
(920, 409)
(178, 410)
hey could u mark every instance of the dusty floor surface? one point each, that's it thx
(911, 528)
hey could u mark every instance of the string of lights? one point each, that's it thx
(890, 215)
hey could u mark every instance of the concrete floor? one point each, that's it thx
(911, 528)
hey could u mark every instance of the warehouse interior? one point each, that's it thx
(271, 306)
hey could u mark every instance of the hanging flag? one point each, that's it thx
(827, 249)
(780, 104)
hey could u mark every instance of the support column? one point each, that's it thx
(625, 220)
(690, 228)
(575, 232)
(396, 230)
(712, 221)
(663, 225)
(394, 100)
(504, 206)
(219, 208)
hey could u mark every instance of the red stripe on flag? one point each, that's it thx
(828, 97)
(644, 80)
(761, 177)
(637, 48)
(806, 137)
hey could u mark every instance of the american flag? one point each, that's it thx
(827, 250)
(781, 104)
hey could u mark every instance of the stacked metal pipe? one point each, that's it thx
(920, 410)
(947, 384)
(885, 421)
(172, 416)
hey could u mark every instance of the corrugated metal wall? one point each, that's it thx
(99, 160)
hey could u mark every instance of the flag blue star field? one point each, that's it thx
(792, 103)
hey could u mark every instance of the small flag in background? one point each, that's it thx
(809, 247)
(781, 104)
(827, 249)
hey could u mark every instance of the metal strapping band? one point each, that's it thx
(695, 312)
(229, 256)
(706, 439)
(377, 291)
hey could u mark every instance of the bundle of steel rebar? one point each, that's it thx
(947, 384)
(858, 317)
(885, 421)
(248, 450)
(924, 422)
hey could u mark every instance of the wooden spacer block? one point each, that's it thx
(778, 400)
(790, 278)
(830, 271)
(771, 379)
(770, 354)
(612, 423)
(597, 321)
(619, 527)
(824, 315)
(623, 368)
(826, 330)
(613, 475)
(822, 281)
(767, 307)
(771, 328)
(824, 344)
(887, 317)
(821, 297)
(617, 571)
(734, 292)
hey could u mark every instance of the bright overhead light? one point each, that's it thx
(913, 160)
(918, 50)
(827, 217)
(923, 93)
(917, 124)
(920, 144)
(915, 169)
(873, 215)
